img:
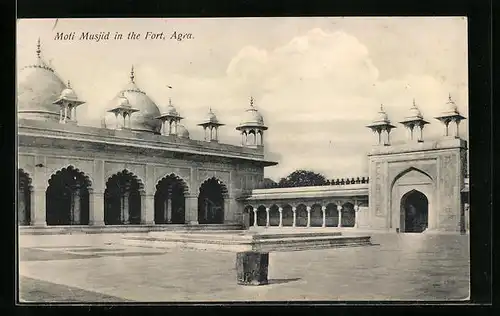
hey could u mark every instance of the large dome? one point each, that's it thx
(144, 120)
(37, 88)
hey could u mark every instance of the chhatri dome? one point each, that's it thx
(144, 120)
(382, 116)
(414, 112)
(38, 87)
(252, 118)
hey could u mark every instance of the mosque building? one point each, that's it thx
(141, 169)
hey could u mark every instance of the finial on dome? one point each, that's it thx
(449, 96)
(169, 101)
(414, 104)
(251, 101)
(132, 74)
(38, 50)
(69, 84)
(381, 107)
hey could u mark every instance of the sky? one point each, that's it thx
(317, 81)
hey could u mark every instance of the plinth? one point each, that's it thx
(252, 267)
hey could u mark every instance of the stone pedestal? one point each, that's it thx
(252, 267)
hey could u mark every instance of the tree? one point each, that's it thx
(269, 183)
(302, 178)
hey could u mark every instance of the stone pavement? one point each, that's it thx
(99, 268)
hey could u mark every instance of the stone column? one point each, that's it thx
(125, 208)
(280, 209)
(254, 217)
(323, 211)
(267, 217)
(75, 218)
(38, 214)
(356, 210)
(294, 210)
(96, 208)
(21, 206)
(147, 209)
(308, 209)
(339, 209)
(169, 210)
(191, 213)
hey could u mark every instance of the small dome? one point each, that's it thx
(450, 105)
(211, 118)
(68, 94)
(122, 101)
(171, 109)
(182, 131)
(381, 115)
(252, 117)
(415, 112)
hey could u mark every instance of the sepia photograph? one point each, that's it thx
(271, 159)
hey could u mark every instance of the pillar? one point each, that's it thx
(323, 210)
(125, 208)
(254, 217)
(169, 209)
(75, 216)
(38, 215)
(21, 206)
(147, 209)
(96, 208)
(191, 212)
(294, 210)
(356, 210)
(308, 209)
(339, 209)
(280, 209)
(267, 217)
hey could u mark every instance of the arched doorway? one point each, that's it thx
(170, 201)
(287, 215)
(261, 216)
(24, 189)
(211, 202)
(67, 198)
(348, 215)
(316, 216)
(122, 199)
(249, 215)
(414, 212)
(301, 216)
(332, 215)
(274, 215)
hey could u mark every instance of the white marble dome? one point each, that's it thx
(182, 131)
(38, 86)
(144, 120)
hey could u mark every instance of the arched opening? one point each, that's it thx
(170, 201)
(261, 216)
(348, 215)
(287, 215)
(414, 212)
(332, 215)
(249, 216)
(316, 216)
(274, 215)
(67, 198)
(122, 199)
(24, 189)
(301, 216)
(211, 202)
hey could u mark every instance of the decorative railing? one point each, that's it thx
(339, 181)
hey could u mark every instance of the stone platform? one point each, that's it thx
(113, 229)
(238, 241)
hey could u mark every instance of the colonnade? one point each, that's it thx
(342, 215)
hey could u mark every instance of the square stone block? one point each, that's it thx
(252, 267)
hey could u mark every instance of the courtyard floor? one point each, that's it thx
(99, 268)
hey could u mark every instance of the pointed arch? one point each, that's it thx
(212, 193)
(408, 170)
(316, 215)
(122, 199)
(24, 189)
(274, 215)
(170, 200)
(348, 215)
(332, 215)
(287, 214)
(261, 215)
(414, 212)
(67, 197)
(301, 215)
